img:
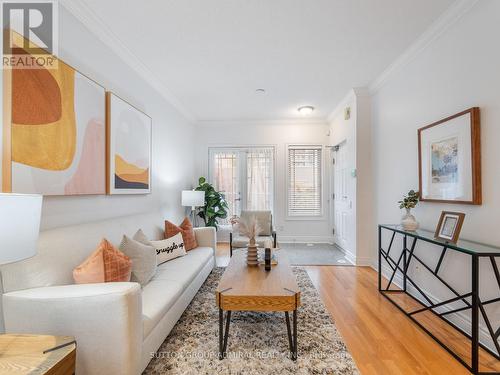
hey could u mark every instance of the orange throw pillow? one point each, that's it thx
(105, 264)
(186, 228)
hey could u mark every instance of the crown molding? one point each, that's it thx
(435, 30)
(356, 92)
(276, 122)
(92, 21)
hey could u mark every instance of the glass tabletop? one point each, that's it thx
(464, 246)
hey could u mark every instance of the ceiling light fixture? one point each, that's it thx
(305, 110)
(260, 91)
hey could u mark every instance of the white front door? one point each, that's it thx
(341, 200)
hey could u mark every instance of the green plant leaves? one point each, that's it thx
(410, 201)
(215, 204)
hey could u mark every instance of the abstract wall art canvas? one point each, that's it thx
(450, 159)
(129, 148)
(54, 132)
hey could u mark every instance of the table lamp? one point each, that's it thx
(193, 199)
(19, 226)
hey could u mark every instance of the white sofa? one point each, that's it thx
(117, 325)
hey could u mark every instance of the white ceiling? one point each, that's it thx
(213, 54)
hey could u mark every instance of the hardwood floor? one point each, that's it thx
(381, 339)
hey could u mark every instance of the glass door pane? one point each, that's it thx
(260, 167)
(225, 176)
(245, 176)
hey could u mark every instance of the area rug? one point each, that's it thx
(258, 342)
(317, 254)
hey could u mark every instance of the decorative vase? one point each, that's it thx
(252, 253)
(409, 222)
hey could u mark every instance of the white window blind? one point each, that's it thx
(304, 181)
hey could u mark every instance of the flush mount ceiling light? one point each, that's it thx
(305, 110)
(260, 91)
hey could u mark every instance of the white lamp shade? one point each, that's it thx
(19, 226)
(192, 198)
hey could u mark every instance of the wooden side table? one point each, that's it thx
(24, 354)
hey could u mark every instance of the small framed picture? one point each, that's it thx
(449, 226)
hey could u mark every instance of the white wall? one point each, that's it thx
(356, 133)
(459, 69)
(277, 135)
(173, 160)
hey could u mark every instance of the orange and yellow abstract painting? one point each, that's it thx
(57, 131)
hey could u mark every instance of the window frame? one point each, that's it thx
(321, 215)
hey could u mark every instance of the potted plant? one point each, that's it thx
(215, 207)
(410, 201)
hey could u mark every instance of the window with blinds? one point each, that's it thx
(304, 181)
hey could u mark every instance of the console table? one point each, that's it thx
(398, 262)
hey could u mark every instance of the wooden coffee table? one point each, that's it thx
(244, 288)
(37, 354)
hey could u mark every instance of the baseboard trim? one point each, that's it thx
(305, 239)
(363, 261)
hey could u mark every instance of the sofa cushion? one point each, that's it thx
(183, 270)
(187, 231)
(105, 264)
(169, 248)
(143, 259)
(170, 281)
(158, 296)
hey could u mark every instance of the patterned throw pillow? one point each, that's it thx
(143, 259)
(169, 249)
(105, 264)
(186, 229)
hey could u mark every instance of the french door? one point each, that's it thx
(245, 175)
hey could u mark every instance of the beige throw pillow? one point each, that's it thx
(169, 249)
(143, 259)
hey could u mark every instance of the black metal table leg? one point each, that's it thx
(404, 262)
(223, 333)
(380, 259)
(289, 331)
(475, 315)
(294, 354)
(292, 334)
(226, 334)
